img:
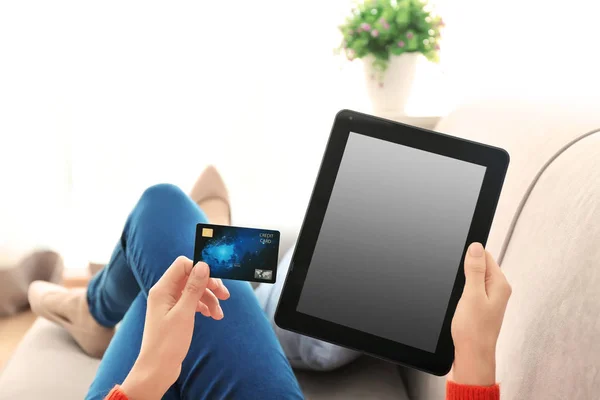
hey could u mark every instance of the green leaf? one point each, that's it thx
(396, 50)
(388, 14)
(412, 40)
(403, 19)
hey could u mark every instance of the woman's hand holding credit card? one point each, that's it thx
(244, 254)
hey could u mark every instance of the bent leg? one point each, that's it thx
(160, 228)
(238, 356)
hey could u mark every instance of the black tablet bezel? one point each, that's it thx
(287, 317)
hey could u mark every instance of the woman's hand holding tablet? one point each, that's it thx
(478, 319)
(377, 267)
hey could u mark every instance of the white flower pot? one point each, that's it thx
(389, 91)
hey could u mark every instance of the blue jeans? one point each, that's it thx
(237, 357)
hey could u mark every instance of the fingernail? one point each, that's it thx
(200, 270)
(220, 312)
(226, 290)
(476, 249)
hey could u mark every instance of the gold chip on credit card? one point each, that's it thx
(207, 232)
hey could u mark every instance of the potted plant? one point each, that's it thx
(389, 36)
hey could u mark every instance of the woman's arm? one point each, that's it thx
(476, 326)
(173, 302)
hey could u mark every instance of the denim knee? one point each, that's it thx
(162, 192)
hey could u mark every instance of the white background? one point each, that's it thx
(98, 100)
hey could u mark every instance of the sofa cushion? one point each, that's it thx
(49, 365)
(15, 279)
(366, 378)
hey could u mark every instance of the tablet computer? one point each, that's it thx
(378, 266)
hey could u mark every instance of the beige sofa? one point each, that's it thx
(546, 233)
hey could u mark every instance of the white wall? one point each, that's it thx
(133, 93)
(518, 47)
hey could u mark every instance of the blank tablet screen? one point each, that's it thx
(391, 241)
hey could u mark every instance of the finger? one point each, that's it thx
(213, 305)
(194, 288)
(496, 285)
(173, 280)
(218, 288)
(475, 268)
(203, 309)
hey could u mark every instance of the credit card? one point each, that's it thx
(244, 254)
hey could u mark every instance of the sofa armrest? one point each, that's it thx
(549, 346)
(422, 386)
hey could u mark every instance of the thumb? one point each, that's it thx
(475, 267)
(194, 288)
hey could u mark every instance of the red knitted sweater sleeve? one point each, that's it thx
(116, 394)
(455, 391)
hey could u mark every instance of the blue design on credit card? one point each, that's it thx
(238, 253)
